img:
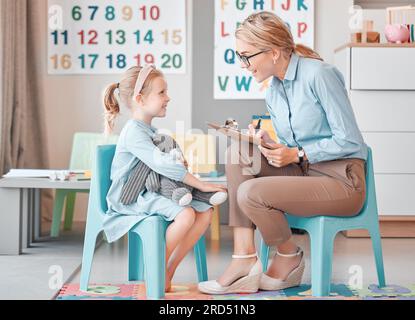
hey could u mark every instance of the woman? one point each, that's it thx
(318, 168)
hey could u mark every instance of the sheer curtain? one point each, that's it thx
(22, 125)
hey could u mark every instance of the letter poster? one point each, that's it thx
(106, 37)
(230, 80)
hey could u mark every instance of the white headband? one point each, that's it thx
(142, 76)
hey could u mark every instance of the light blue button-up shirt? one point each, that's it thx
(311, 108)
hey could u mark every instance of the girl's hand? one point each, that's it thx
(212, 187)
(261, 134)
(281, 156)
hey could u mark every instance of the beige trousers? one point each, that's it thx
(259, 193)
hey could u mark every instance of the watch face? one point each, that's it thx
(301, 153)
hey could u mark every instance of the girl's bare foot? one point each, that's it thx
(168, 283)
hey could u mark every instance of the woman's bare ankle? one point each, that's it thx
(236, 269)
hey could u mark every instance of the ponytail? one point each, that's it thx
(125, 94)
(112, 108)
(306, 52)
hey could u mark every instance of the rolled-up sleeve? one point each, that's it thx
(346, 138)
(141, 146)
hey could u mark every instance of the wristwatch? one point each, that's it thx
(304, 164)
(301, 154)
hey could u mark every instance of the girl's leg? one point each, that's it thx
(178, 229)
(201, 223)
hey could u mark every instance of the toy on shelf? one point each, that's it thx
(366, 35)
(400, 24)
(397, 33)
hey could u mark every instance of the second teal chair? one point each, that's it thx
(323, 230)
(82, 158)
(146, 240)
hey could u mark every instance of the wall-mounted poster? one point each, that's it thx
(232, 82)
(106, 37)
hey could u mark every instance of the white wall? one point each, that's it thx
(331, 26)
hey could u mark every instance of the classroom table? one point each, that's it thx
(20, 216)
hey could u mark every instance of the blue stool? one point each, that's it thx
(146, 240)
(323, 230)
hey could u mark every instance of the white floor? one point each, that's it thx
(38, 272)
(33, 274)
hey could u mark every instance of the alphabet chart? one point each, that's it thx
(230, 80)
(108, 37)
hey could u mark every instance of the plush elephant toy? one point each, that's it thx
(142, 177)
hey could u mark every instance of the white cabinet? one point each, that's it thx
(380, 80)
(382, 68)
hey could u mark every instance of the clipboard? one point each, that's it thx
(238, 135)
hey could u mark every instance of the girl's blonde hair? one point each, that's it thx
(125, 87)
(267, 31)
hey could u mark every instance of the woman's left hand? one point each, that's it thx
(281, 156)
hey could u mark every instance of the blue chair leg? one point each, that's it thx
(154, 249)
(377, 251)
(264, 254)
(69, 210)
(135, 258)
(87, 256)
(200, 257)
(321, 262)
(57, 212)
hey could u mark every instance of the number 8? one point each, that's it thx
(110, 13)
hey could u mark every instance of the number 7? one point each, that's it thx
(94, 59)
(94, 11)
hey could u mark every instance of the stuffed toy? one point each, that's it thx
(142, 177)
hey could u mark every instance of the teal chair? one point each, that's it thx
(146, 240)
(83, 148)
(323, 229)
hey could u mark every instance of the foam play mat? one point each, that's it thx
(136, 291)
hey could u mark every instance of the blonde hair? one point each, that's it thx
(125, 94)
(267, 31)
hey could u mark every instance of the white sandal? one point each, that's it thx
(246, 284)
(293, 279)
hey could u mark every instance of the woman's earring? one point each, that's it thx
(275, 60)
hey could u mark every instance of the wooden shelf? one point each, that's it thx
(390, 227)
(375, 45)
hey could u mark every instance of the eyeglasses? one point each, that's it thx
(245, 59)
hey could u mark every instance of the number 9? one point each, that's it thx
(127, 12)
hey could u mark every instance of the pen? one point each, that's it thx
(258, 125)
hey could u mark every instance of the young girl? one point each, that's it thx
(144, 92)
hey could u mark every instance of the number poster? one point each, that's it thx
(230, 80)
(106, 37)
